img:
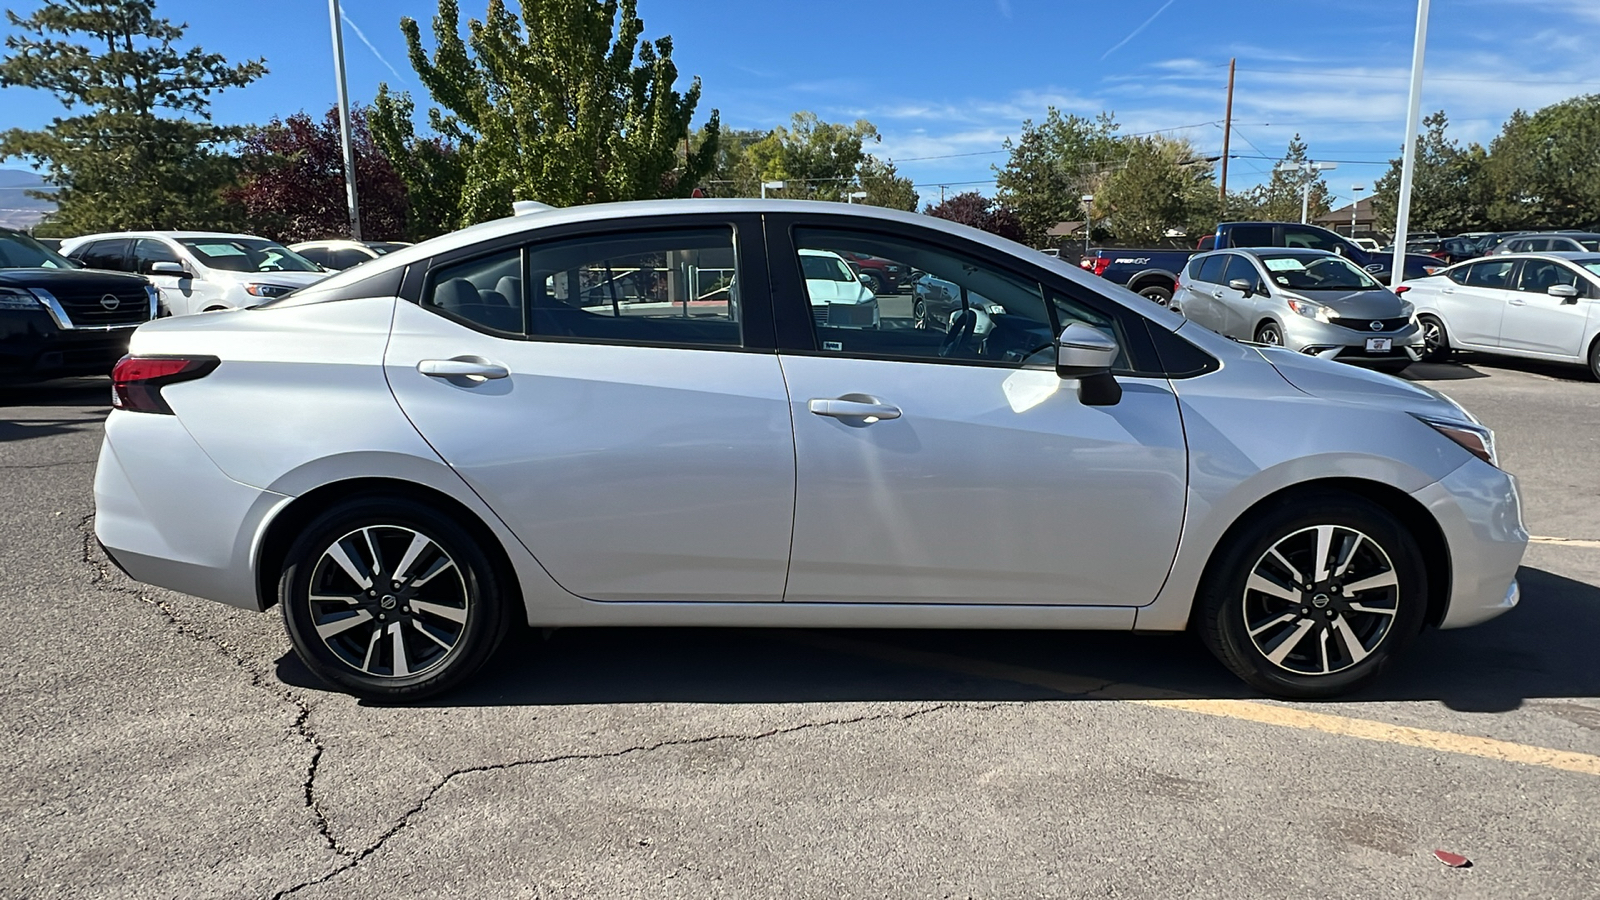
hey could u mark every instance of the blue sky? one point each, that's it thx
(946, 81)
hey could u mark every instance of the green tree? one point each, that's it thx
(1280, 198)
(1448, 190)
(433, 172)
(1052, 165)
(885, 186)
(138, 148)
(1162, 184)
(816, 160)
(1543, 170)
(564, 105)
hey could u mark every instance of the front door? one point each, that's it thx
(952, 464)
(1535, 321)
(609, 396)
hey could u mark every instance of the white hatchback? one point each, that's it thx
(197, 271)
(630, 414)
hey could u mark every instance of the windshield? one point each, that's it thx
(382, 247)
(1317, 273)
(1589, 243)
(825, 268)
(247, 255)
(18, 251)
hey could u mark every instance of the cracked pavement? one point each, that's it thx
(166, 746)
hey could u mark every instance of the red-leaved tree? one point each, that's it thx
(974, 209)
(292, 186)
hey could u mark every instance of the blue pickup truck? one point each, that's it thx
(1151, 272)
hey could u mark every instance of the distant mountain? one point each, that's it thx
(17, 209)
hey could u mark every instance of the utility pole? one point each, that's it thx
(1408, 161)
(1227, 132)
(344, 122)
(941, 194)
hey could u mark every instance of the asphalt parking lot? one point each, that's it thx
(164, 746)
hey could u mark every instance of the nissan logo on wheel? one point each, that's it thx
(110, 302)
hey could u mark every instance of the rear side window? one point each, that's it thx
(110, 255)
(1211, 268)
(1491, 273)
(1458, 274)
(486, 291)
(344, 259)
(318, 255)
(1250, 236)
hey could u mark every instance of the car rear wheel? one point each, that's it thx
(1436, 341)
(1314, 597)
(1594, 360)
(1156, 293)
(1269, 333)
(390, 600)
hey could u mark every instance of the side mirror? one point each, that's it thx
(864, 278)
(1567, 292)
(168, 268)
(1242, 286)
(1087, 354)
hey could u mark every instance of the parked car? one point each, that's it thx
(336, 256)
(58, 320)
(1536, 306)
(1451, 250)
(1551, 242)
(1309, 301)
(839, 296)
(884, 276)
(434, 470)
(1310, 237)
(1149, 272)
(936, 303)
(199, 271)
(1368, 244)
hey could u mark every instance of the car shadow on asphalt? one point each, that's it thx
(1542, 649)
(71, 392)
(1466, 365)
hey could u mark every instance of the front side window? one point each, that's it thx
(147, 252)
(1240, 267)
(1540, 275)
(955, 310)
(652, 287)
(247, 255)
(18, 251)
(1491, 273)
(1250, 236)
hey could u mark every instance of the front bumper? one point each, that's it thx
(1348, 345)
(32, 348)
(1479, 511)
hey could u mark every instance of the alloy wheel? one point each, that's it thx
(1321, 600)
(1432, 335)
(388, 601)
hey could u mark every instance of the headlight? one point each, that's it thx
(266, 290)
(1310, 310)
(1474, 439)
(18, 298)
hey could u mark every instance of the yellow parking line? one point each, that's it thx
(1246, 710)
(1566, 542)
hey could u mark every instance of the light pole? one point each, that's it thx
(1088, 220)
(775, 185)
(344, 121)
(853, 196)
(1309, 167)
(1408, 161)
(1354, 190)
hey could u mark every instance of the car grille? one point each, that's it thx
(1366, 324)
(85, 309)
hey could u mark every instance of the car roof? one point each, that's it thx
(173, 235)
(1257, 252)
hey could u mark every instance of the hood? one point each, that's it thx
(1359, 304)
(287, 279)
(837, 292)
(1331, 380)
(84, 279)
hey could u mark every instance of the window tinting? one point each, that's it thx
(1250, 236)
(652, 287)
(1306, 237)
(1241, 267)
(346, 258)
(957, 310)
(19, 251)
(486, 291)
(318, 255)
(1211, 269)
(111, 255)
(1539, 275)
(147, 252)
(1491, 273)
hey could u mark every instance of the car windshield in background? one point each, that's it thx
(1319, 273)
(18, 251)
(380, 247)
(243, 255)
(825, 268)
(1589, 243)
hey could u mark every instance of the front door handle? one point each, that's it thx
(854, 406)
(1217, 294)
(472, 367)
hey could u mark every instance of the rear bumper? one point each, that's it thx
(1480, 513)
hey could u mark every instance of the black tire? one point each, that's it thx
(874, 281)
(467, 611)
(919, 314)
(1594, 360)
(1229, 599)
(1155, 292)
(1269, 333)
(1435, 338)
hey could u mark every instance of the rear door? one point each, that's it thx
(1473, 309)
(612, 392)
(1536, 322)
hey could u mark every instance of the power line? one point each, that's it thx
(1402, 77)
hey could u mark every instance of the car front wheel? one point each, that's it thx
(1436, 341)
(1314, 597)
(390, 600)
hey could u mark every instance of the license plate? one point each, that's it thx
(1379, 345)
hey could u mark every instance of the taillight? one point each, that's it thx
(136, 382)
(1402, 289)
(1100, 265)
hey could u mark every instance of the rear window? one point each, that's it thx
(1491, 273)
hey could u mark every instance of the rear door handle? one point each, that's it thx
(854, 406)
(462, 367)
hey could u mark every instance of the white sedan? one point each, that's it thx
(1533, 305)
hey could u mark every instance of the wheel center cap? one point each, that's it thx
(388, 601)
(1320, 601)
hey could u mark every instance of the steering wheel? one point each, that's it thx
(962, 324)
